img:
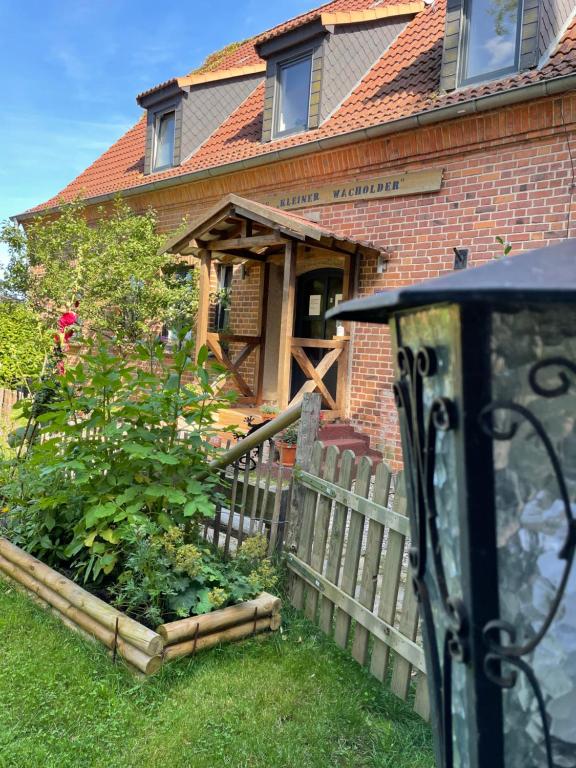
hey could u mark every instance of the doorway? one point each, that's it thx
(316, 293)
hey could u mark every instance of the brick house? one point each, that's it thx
(360, 146)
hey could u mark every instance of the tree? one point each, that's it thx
(113, 266)
(23, 344)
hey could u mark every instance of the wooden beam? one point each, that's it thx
(240, 243)
(203, 300)
(262, 323)
(310, 372)
(222, 74)
(372, 14)
(321, 369)
(287, 324)
(319, 343)
(232, 365)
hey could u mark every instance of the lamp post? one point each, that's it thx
(486, 394)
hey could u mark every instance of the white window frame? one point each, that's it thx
(485, 77)
(157, 119)
(276, 134)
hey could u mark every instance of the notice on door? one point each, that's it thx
(315, 304)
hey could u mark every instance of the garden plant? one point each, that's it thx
(114, 487)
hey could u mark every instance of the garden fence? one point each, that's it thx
(345, 537)
(8, 398)
(350, 569)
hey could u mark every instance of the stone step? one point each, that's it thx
(330, 431)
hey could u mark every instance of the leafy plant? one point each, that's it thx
(506, 246)
(175, 574)
(126, 444)
(289, 436)
(269, 410)
(25, 343)
(57, 260)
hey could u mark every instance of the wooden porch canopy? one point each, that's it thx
(239, 230)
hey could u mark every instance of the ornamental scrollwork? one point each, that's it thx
(505, 650)
(421, 426)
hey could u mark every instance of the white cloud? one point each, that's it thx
(501, 52)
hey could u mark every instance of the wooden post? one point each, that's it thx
(262, 322)
(203, 300)
(307, 435)
(287, 325)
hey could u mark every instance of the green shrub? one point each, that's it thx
(24, 343)
(114, 456)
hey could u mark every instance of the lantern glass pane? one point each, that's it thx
(437, 330)
(535, 421)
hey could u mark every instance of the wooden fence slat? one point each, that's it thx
(254, 509)
(402, 672)
(269, 465)
(218, 514)
(366, 507)
(244, 498)
(307, 526)
(336, 544)
(347, 604)
(391, 568)
(276, 511)
(232, 507)
(307, 433)
(320, 537)
(353, 551)
(422, 699)
(369, 582)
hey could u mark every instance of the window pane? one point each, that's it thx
(294, 99)
(165, 141)
(492, 28)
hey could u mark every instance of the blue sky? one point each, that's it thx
(70, 71)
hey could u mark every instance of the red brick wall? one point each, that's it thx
(507, 173)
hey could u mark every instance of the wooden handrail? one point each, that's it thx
(266, 431)
(319, 343)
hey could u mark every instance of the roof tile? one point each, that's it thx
(404, 82)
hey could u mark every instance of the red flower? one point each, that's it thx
(67, 319)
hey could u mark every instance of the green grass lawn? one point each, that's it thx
(290, 700)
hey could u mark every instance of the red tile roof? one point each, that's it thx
(404, 82)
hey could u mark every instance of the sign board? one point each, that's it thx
(394, 185)
(315, 305)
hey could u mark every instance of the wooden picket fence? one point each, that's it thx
(256, 493)
(350, 568)
(8, 398)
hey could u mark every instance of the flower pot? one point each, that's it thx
(287, 454)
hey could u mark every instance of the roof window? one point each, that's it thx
(164, 131)
(491, 41)
(293, 95)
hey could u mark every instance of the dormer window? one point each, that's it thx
(164, 132)
(293, 95)
(491, 41)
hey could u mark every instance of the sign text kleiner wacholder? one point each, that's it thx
(409, 183)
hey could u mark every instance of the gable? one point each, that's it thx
(400, 89)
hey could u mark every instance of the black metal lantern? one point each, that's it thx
(486, 393)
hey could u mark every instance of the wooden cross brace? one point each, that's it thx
(316, 375)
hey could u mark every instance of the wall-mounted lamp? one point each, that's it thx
(244, 272)
(460, 258)
(382, 263)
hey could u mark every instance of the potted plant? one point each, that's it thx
(286, 442)
(268, 411)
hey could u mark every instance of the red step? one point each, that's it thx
(345, 437)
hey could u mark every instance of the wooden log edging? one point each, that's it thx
(143, 649)
(263, 606)
(131, 631)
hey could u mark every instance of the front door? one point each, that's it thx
(316, 293)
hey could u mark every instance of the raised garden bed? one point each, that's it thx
(144, 649)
